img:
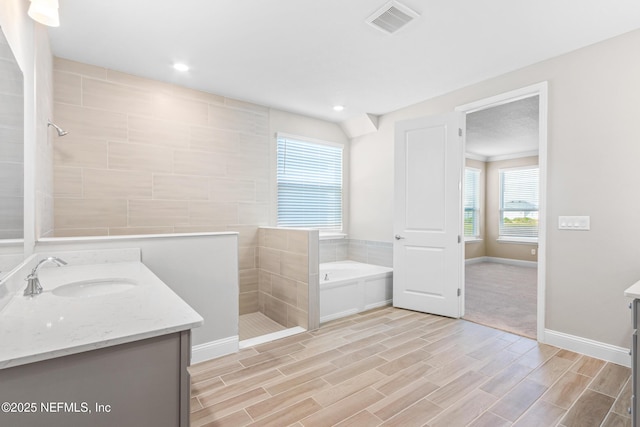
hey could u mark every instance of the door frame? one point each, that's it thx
(541, 90)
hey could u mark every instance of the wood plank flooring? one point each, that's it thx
(392, 367)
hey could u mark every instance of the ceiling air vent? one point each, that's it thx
(392, 17)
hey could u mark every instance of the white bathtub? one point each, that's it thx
(348, 287)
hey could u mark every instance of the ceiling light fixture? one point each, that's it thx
(45, 12)
(181, 67)
(338, 107)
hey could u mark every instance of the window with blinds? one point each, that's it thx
(471, 202)
(309, 179)
(519, 188)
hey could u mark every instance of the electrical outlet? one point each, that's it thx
(533, 251)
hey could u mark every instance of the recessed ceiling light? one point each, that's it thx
(338, 107)
(181, 67)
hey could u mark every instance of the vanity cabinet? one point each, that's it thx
(635, 365)
(140, 383)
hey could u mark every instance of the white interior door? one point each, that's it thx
(427, 254)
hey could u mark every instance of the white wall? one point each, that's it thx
(593, 151)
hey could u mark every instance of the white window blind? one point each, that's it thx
(519, 190)
(471, 202)
(309, 177)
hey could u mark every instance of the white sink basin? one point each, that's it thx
(94, 287)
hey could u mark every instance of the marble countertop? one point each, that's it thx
(50, 325)
(633, 291)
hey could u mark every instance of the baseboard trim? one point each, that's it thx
(519, 263)
(599, 350)
(211, 350)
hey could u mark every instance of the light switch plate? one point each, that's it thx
(574, 223)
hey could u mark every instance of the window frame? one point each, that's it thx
(516, 238)
(476, 236)
(324, 232)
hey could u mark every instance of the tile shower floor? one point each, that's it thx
(257, 324)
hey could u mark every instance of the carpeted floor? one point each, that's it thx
(502, 296)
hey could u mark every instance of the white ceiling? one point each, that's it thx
(305, 56)
(507, 130)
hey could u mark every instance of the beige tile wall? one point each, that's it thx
(144, 156)
(11, 145)
(288, 276)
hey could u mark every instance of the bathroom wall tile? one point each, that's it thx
(243, 121)
(327, 251)
(242, 105)
(249, 280)
(11, 145)
(151, 86)
(127, 231)
(75, 150)
(380, 255)
(269, 260)
(275, 309)
(139, 157)
(11, 217)
(232, 190)
(91, 122)
(200, 228)
(284, 289)
(11, 110)
(180, 109)
(212, 213)
(69, 66)
(253, 213)
(67, 88)
(302, 295)
(247, 258)
(313, 254)
(11, 182)
(248, 234)
(157, 213)
(296, 317)
(185, 92)
(247, 165)
(219, 141)
(357, 251)
(275, 238)
(248, 302)
(115, 184)
(297, 241)
(180, 187)
(342, 250)
(90, 213)
(115, 97)
(294, 266)
(264, 281)
(198, 163)
(145, 130)
(80, 232)
(67, 182)
(263, 190)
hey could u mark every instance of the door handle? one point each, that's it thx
(399, 237)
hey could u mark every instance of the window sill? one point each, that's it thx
(473, 239)
(331, 235)
(518, 240)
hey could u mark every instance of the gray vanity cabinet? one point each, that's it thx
(635, 365)
(141, 383)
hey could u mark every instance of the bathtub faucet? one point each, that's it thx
(326, 276)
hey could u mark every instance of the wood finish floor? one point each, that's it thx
(392, 367)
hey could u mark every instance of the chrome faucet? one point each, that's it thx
(33, 283)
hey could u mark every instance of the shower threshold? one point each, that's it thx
(256, 328)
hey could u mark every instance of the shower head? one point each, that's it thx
(58, 129)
